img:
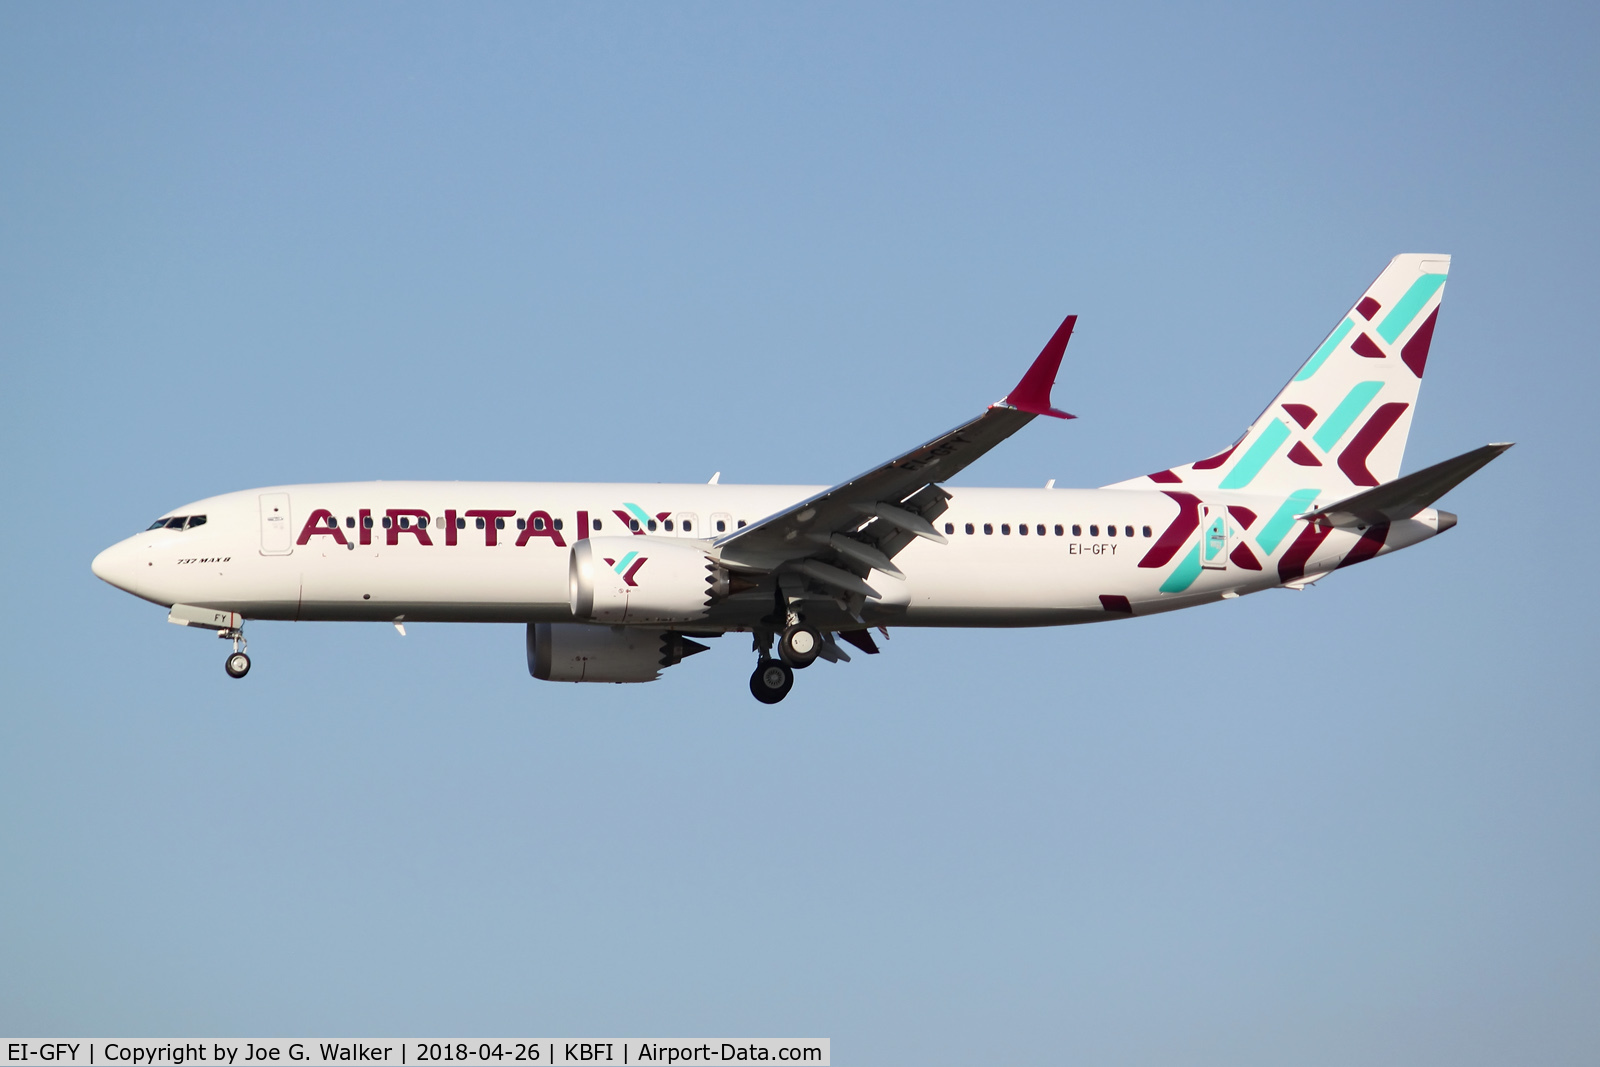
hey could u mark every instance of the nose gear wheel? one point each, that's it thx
(237, 664)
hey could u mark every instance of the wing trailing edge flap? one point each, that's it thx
(1406, 495)
(861, 524)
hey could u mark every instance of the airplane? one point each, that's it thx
(617, 582)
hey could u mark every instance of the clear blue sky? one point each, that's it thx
(246, 245)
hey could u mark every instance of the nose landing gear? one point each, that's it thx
(237, 664)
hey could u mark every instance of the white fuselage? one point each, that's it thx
(271, 554)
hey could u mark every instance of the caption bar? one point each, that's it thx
(477, 1052)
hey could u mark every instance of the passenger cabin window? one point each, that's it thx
(200, 520)
(1128, 530)
(949, 527)
(688, 525)
(988, 527)
(667, 525)
(1146, 531)
(596, 525)
(1005, 529)
(349, 522)
(499, 524)
(557, 524)
(461, 524)
(1111, 531)
(386, 522)
(1077, 531)
(633, 524)
(969, 528)
(366, 522)
(1059, 530)
(1094, 531)
(481, 525)
(1022, 528)
(722, 526)
(741, 524)
(522, 524)
(333, 523)
(538, 524)
(650, 524)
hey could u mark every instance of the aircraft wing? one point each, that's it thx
(836, 538)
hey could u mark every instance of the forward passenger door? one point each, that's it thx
(277, 532)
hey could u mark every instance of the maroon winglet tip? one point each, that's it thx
(1032, 394)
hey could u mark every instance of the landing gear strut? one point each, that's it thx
(237, 664)
(772, 681)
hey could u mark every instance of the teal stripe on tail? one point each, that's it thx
(1349, 406)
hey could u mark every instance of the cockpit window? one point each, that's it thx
(177, 522)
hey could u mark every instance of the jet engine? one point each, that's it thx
(574, 652)
(642, 580)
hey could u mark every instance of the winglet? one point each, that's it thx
(1032, 394)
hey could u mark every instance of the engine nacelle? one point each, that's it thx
(574, 652)
(640, 580)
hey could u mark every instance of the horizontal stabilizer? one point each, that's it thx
(1405, 496)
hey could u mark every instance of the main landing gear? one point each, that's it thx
(237, 664)
(772, 680)
(799, 645)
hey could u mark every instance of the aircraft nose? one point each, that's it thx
(116, 566)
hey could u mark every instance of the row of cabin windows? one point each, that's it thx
(178, 522)
(439, 523)
(181, 522)
(667, 525)
(596, 525)
(406, 523)
(1039, 529)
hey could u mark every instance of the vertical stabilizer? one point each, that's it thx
(1341, 423)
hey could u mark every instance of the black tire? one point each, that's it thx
(767, 672)
(799, 646)
(237, 665)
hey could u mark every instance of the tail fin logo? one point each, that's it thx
(627, 567)
(1347, 412)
